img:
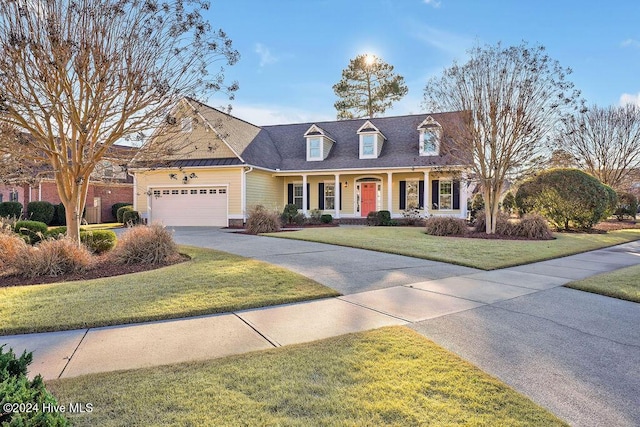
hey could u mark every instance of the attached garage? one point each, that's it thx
(190, 206)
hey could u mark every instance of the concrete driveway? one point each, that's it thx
(346, 270)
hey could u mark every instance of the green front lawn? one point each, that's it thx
(211, 282)
(390, 376)
(479, 253)
(621, 284)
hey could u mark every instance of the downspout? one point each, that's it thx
(39, 191)
(244, 192)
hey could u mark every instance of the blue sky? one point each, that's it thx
(293, 51)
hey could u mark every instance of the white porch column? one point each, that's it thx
(389, 192)
(336, 196)
(464, 186)
(304, 195)
(427, 200)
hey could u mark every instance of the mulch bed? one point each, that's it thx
(102, 268)
(614, 224)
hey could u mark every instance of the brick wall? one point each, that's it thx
(109, 193)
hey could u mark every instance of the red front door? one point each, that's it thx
(368, 195)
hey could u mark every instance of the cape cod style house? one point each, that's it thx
(223, 165)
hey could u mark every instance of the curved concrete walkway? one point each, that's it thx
(575, 353)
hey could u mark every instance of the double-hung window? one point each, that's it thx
(329, 196)
(368, 145)
(297, 195)
(446, 195)
(413, 198)
(315, 148)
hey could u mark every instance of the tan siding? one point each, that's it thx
(160, 178)
(326, 146)
(264, 189)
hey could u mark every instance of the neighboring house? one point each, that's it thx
(110, 184)
(344, 168)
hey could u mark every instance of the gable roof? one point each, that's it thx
(401, 148)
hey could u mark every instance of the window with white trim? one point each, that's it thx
(315, 148)
(430, 142)
(412, 195)
(329, 195)
(445, 195)
(187, 125)
(13, 196)
(297, 195)
(368, 146)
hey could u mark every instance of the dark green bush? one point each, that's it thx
(566, 198)
(35, 230)
(326, 219)
(40, 211)
(115, 207)
(11, 209)
(59, 215)
(445, 226)
(289, 213)
(56, 232)
(98, 241)
(120, 212)
(384, 218)
(627, 206)
(372, 218)
(16, 388)
(130, 217)
(261, 220)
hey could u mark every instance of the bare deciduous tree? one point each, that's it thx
(605, 141)
(515, 97)
(79, 76)
(367, 88)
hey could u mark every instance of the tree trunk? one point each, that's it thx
(491, 205)
(73, 196)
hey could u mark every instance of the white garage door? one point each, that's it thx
(201, 206)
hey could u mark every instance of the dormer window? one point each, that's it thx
(371, 140)
(315, 149)
(319, 143)
(430, 135)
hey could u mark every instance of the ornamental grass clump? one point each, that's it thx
(445, 226)
(11, 247)
(53, 258)
(261, 220)
(145, 244)
(534, 226)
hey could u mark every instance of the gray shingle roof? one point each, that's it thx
(284, 146)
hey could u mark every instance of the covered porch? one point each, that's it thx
(354, 194)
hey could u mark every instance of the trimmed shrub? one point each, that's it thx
(53, 258)
(16, 388)
(566, 198)
(289, 213)
(145, 244)
(261, 220)
(627, 206)
(34, 230)
(11, 209)
(59, 215)
(477, 203)
(120, 212)
(384, 218)
(98, 241)
(533, 226)
(372, 218)
(56, 232)
(40, 211)
(299, 219)
(612, 198)
(12, 246)
(326, 219)
(445, 226)
(115, 207)
(411, 216)
(130, 218)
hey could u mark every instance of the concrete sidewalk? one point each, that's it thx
(577, 354)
